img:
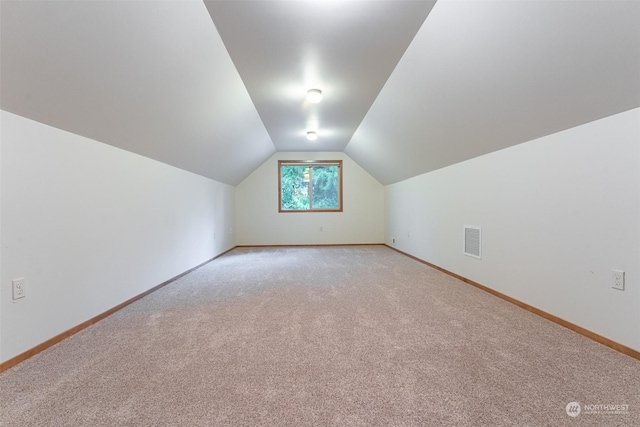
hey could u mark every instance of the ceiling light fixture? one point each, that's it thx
(312, 136)
(314, 96)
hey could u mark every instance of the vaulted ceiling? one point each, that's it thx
(216, 87)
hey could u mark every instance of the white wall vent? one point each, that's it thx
(472, 241)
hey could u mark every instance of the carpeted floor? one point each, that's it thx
(321, 336)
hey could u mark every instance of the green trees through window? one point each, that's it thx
(310, 186)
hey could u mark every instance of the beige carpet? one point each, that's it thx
(321, 336)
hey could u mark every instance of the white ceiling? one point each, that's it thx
(485, 75)
(217, 87)
(347, 49)
(151, 77)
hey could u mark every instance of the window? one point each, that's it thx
(310, 186)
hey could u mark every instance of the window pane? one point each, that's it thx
(295, 187)
(310, 186)
(325, 187)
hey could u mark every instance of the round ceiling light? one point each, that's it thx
(312, 136)
(314, 96)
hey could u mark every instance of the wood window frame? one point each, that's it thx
(309, 163)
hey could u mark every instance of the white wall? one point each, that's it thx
(89, 226)
(259, 222)
(2, 283)
(557, 215)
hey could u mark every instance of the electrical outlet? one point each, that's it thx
(617, 279)
(18, 290)
(393, 240)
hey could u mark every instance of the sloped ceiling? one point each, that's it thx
(347, 49)
(151, 77)
(485, 75)
(217, 87)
